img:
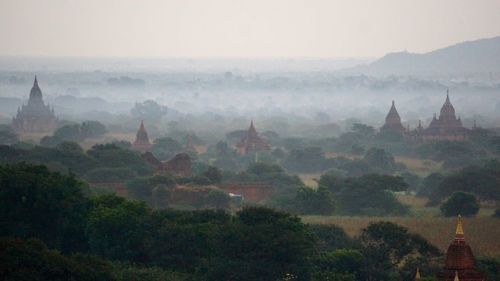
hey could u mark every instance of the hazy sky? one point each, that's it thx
(238, 28)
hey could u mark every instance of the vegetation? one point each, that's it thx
(460, 203)
(129, 239)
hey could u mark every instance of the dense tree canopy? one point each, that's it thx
(460, 203)
(37, 203)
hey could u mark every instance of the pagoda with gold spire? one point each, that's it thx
(460, 262)
(417, 275)
(141, 142)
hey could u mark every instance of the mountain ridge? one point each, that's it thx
(465, 58)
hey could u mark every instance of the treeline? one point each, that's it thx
(106, 237)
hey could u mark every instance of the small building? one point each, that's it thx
(252, 142)
(35, 117)
(141, 142)
(460, 262)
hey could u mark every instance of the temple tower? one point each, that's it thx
(460, 263)
(141, 142)
(447, 118)
(393, 121)
(252, 142)
(35, 117)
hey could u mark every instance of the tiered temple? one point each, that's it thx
(446, 127)
(460, 262)
(252, 142)
(35, 117)
(141, 142)
(393, 121)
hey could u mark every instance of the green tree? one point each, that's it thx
(344, 264)
(381, 159)
(330, 237)
(142, 188)
(214, 174)
(261, 244)
(165, 148)
(69, 133)
(117, 229)
(7, 135)
(37, 203)
(217, 199)
(314, 202)
(149, 110)
(30, 260)
(110, 155)
(387, 246)
(92, 129)
(460, 203)
(483, 181)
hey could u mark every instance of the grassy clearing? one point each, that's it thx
(310, 179)
(482, 233)
(421, 167)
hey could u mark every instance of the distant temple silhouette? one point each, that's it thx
(393, 121)
(446, 127)
(35, 117)
(252, 142)
(141, 142)
(460, 263)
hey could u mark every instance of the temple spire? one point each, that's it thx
(456, 276)
(252, 130)
(417, 275)
(459, 230)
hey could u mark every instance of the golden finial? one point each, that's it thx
(456, 276)
(417, 275)
(460, 230)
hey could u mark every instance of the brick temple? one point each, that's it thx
(460, 262)
(35, 117)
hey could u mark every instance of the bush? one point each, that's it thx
(460, 203)
(218, 199)
(314, 202)
(110, 175)
(30, 260)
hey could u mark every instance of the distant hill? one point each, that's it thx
(480, 56)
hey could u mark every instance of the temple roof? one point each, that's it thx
(142, 135)
(447, 110)
(393, 120)
(252, 141)
(35, 93)
(393, 112)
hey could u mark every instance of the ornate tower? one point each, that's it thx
(460, 262)
(252, 142)
(35, 116)
(393, 121)
(447, 118)
(141, 142)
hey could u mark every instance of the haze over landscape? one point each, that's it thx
(229, 140)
